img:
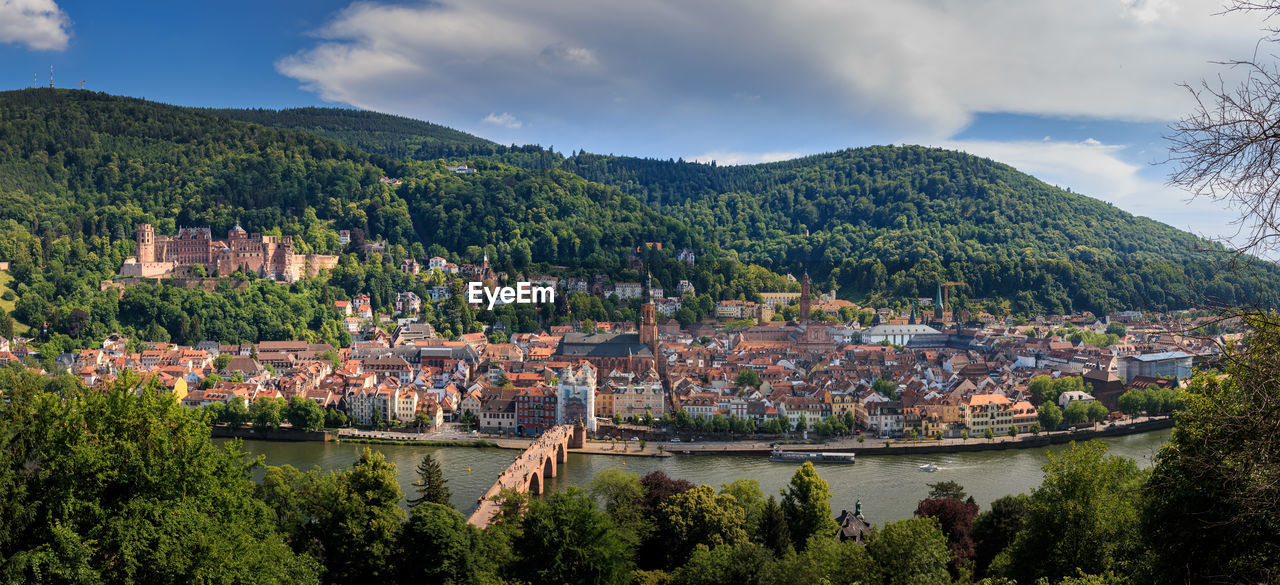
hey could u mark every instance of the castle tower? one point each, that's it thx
(146, 243)
(806, 299)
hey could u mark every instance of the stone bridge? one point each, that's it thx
(530, 472)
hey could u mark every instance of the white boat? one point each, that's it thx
(928, 467)
(819, 457)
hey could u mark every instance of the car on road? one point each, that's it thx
(675, 440)
(635, 438)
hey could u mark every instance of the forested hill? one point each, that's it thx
(77, 162)
(90, 166)
(891, 222)
(385, 134)
(896, 220)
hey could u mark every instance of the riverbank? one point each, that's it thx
(874, 447)
(865, 448)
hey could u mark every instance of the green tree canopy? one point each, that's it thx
(431, 485)
(127, 486)
(807, 504)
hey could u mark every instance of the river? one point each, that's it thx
(889, 486)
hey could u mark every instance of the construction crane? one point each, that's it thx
(946, 293)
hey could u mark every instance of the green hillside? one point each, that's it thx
(394, 136)
(887, 223)
(79, 170)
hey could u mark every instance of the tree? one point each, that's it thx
(700, 517)
(747, 377)
(946, 489)
(885, 387)
(565, 540)
(1049, 416)
(772, 531)
(349, 521)
(335, 360)
(955, 517)
(1211, 515)
(994, 529)
(806, 503)
(334, 418)
(304, 414)
(988, 435)
(912, 551)
(438, 547)
(431, 484)
(129, 487)
(1013, 431)
(1075, 413)
(1097, 412)
(267, 412)
(624, 501)
(236, 413)
(1083, 517)
(747, 495)
(740, 564)
(1116, 328)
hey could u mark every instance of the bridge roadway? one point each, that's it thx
(528, 473)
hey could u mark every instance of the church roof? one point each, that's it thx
(603, 345)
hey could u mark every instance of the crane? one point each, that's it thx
(946, 293)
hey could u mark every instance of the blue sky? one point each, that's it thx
(1077, 93)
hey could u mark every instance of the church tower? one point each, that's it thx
(805, 298)
(649, 319)
(146, 243)
(937, 306)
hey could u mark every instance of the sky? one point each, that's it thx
(1079, 94)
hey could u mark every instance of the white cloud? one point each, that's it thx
(38, 24)
(505, 119)
(918, 67)
(730, 158)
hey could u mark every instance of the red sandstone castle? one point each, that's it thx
(268, 256)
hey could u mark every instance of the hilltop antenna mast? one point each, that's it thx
(35, 78)
(81, 84)
(51, 76)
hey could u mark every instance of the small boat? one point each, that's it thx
(815, 457)
(928, 467)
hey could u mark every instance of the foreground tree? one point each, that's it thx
(1083, 517)
(565, 540)
(700, 517)
(431, 484)
(807, 504)
(348, 521)
(1212, 514)
(127, 487)
(911, 551)
(438, 547)
(995, 529)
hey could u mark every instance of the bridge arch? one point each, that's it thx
(548, 467)
(561, 455)
(535, 483)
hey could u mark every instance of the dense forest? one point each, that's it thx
(79, 170)
(886, 223)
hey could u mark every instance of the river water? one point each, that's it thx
(889, 486)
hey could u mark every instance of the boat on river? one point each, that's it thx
(815, 457)
(928, 467)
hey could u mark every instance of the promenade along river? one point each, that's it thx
(889, 486)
